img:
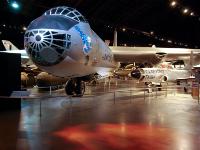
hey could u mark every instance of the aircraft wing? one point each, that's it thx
(11, 48)
(152, 54)
(23, 53)
(24, 56)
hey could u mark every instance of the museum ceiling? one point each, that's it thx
(134, 19)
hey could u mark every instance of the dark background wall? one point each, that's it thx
(9, 80)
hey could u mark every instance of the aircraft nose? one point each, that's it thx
(47, 39)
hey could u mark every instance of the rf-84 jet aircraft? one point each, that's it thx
(61, 42)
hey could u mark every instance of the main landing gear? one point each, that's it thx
(75, 87)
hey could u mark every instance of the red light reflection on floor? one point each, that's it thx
(121, 136)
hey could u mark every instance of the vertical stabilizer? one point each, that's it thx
(9, 46)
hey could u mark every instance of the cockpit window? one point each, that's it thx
(53, 11)
(67, 12)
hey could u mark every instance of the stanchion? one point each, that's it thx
(198, 92)
(114, 97)
(130, 96)
(40, 107)
(50, 90)
(156, 92)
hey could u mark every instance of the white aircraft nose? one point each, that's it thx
(48, 38)
(47, 47)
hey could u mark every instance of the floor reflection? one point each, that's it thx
(122, 136)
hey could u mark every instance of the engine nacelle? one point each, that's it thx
(164, 78)
(136, 74)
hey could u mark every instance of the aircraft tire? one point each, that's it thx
(159, 87)
(69, 88)
(80, 88)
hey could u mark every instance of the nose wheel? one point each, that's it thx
(75, 87)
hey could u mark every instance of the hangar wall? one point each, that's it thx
(10, 65)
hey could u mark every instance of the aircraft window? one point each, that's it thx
(47, 33)
(76, 18)
(26, 34)
(59, 36)
(68, 45)
(71, 14)
(77, 13)
(71, 9)
(31, 34)
(41, 31)
(68, 37)
(35, 32)
(48, 12)
(67, 12)
(81, 19)
(53, 11)
(53, 32)
(59, 10)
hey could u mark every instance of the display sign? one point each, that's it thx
(20, 93)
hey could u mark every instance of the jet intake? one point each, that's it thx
(136, 74)
(164, 79)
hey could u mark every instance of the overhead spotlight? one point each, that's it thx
(192, 14)
(151, 32)
(162, 39)
(185, 11)
(15, 5)
(173, 3)
(169, 41)
(124, 29)
(24, 28)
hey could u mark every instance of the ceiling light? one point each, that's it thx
(192, 14)
(169, 41)
(173, 3)
(24, 28)
(15, 5)
(185, 11)
(123, 29)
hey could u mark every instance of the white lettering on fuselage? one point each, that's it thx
(159, 71)
(150, 76)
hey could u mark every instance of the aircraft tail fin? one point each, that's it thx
(9, 46)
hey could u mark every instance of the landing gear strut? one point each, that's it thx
(75, 87)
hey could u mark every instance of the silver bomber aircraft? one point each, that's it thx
(61, 42)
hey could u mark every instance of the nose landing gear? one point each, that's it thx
(75, 87)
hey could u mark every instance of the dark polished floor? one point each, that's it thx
(128, 118)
